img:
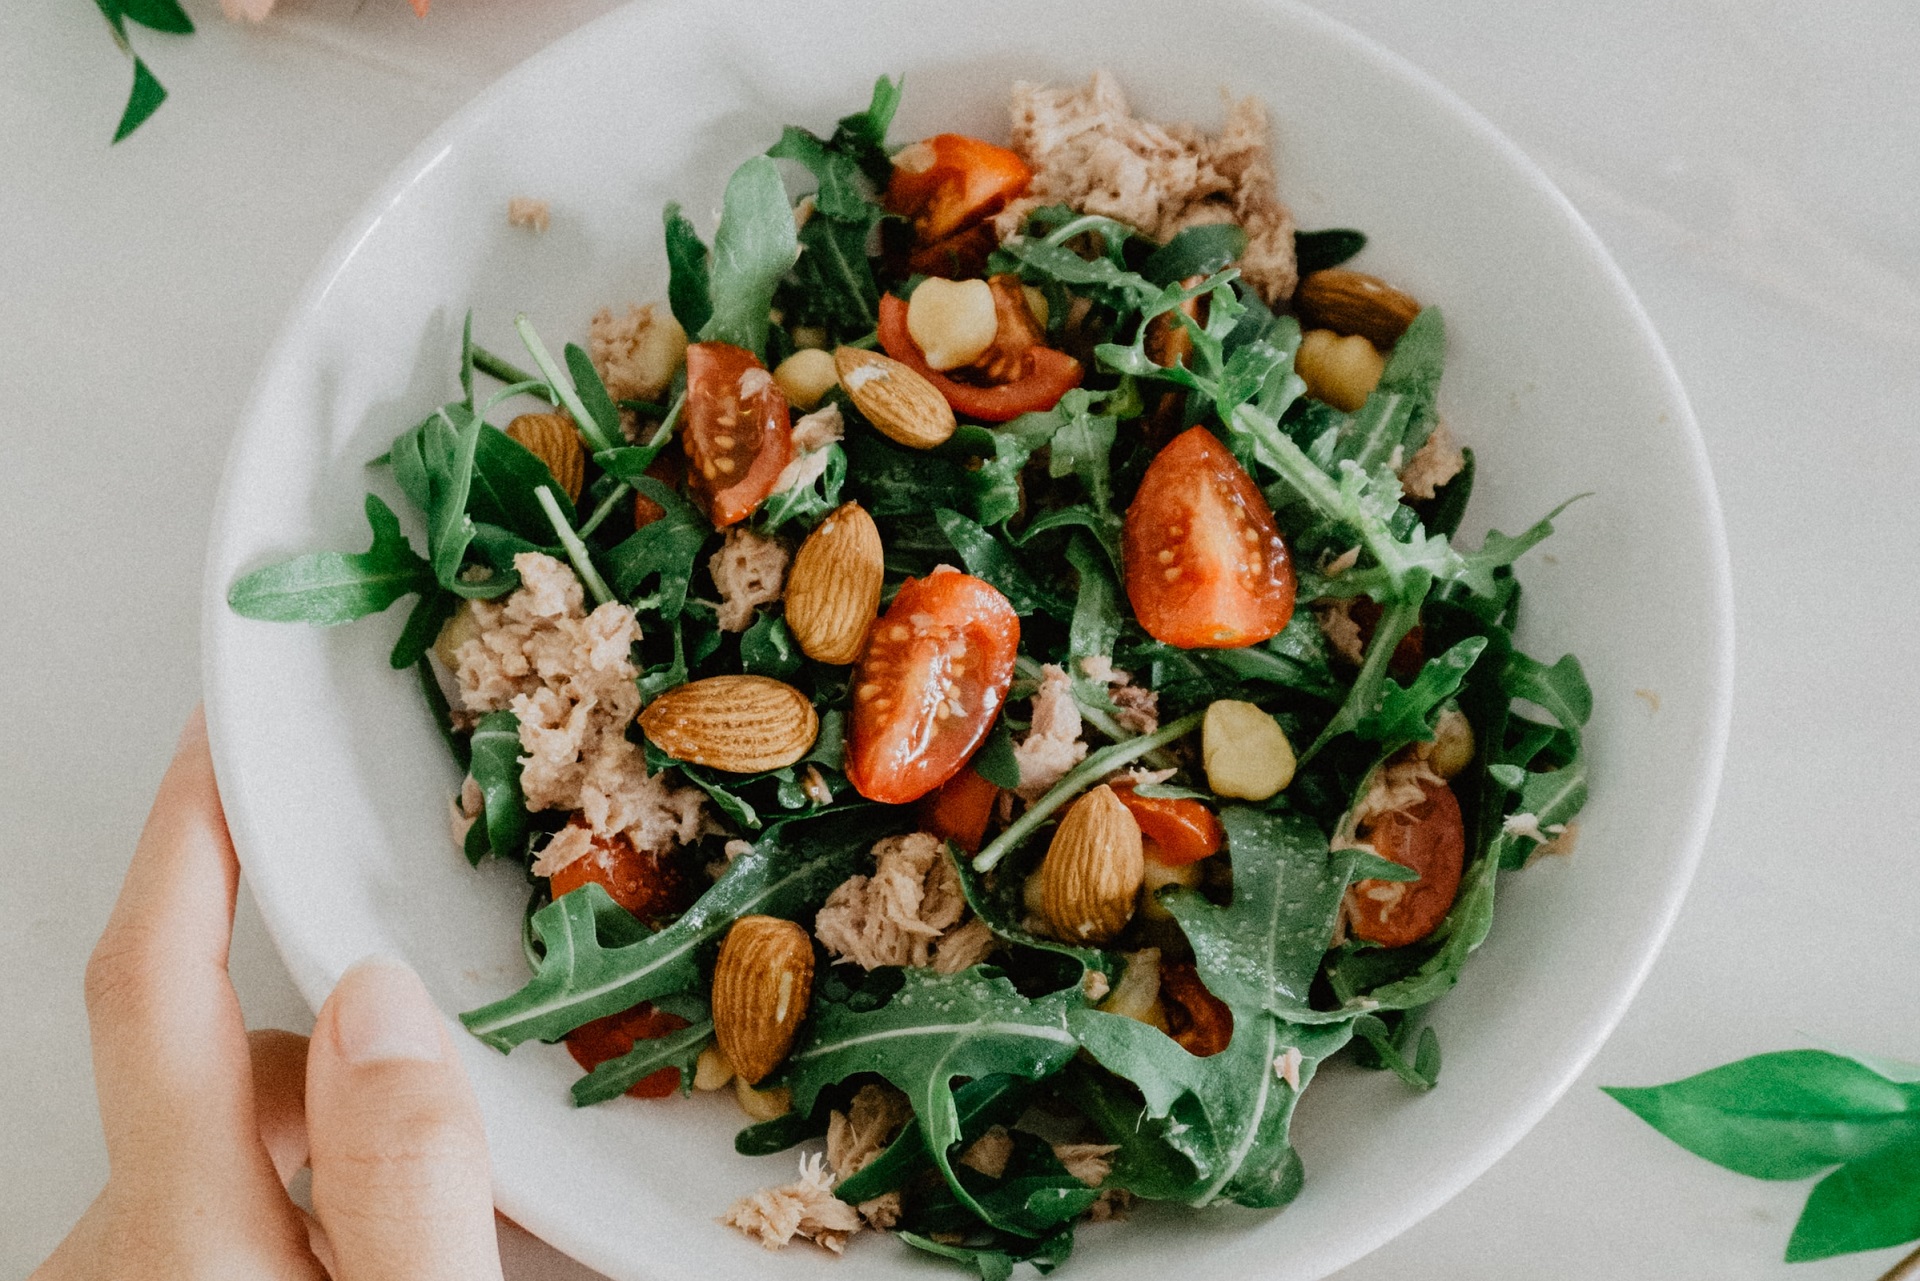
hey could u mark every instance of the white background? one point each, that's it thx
(1754, 167)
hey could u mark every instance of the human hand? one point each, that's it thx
(206, 1124)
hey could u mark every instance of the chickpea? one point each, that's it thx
(806, 376)
(952, 321)
(712, 1071)
(457, 631)
(1341, 371)
(762, 1105)
(1159, 874)
(1245, 752)
(1137, 995)
(1452, 748)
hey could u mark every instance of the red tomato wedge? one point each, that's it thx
(1049, 374)
(1181, 828)
(1196, 1018)
(1430, 838)
(1206, 566)
(736, 431)
(949, 182)
(935, 674)
(604, 1040)
(645, 883)
(960, 809)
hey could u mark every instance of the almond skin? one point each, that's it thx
(761, 986)
(1352, 302)
(552, 439)
(739, 724)
(1093, 870)
(833, 589)
(902, 405)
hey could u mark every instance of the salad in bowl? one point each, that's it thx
(981, 672)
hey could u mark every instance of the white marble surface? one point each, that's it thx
(1753, 166)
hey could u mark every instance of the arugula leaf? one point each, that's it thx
(1317, 250)
(507, 476)
(495, 766)
(768, 649)
(937, 1028)
(995, 1262)
(1146, 1164)
(688, 288)
(863, 135)
(593, 395)
(753, 248)
(990, 1100)
(1195, 251)
(1423, 1071)
(1781, 1116)
(791, 868)
(1405, 715)
(328, 588)
(1262, 950)
(995, 485)
(807, 504)
(764, 1138)
(995, 760)
(679, 1049)
(987, 558)
(1359, 984)
(1399, 414)
(667, 547)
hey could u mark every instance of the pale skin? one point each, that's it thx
(207, 1123)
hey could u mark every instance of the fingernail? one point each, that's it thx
(381, 1012)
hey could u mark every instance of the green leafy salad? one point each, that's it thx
(983, 675)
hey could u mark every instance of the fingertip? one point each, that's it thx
(380, 1011)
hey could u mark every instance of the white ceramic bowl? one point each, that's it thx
(336, 784)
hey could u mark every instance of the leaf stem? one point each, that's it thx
(1097, 763)
(576, 550)
(531, 387)
(605, 509)
(583, 421)
(506, 371)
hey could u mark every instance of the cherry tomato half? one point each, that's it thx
(1431, 839)
(1182, 829)
(1196, 1018)
(949, 182)
(1049, 374)
(736, 430)
(645, 883)
(934, 677)
(604, 1040)
(960, 809)
(1206, 566)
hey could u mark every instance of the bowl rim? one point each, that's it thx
(521, 1202)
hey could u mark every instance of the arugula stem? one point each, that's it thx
(585, 422)
(605, 509)
(506, 371)
(1394, 624)
(1104, 761)
(576, 550)
(531, 387)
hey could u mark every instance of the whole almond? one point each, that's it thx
(739, 724)
(901, 404)
(552, 439)
(833, 589)
(1093, 870)
(1352, 302)
(761, 985)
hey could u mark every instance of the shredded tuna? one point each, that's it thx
(1086, 1162)
(636, 354)
(963, 946)
(1335, 616)
(898, 915)
(1340, 564)
(569, 677)
(1433, 464)
(872, 1120)
(748, 571)
(1089, 151)
(811, 436)
(1399, 784)
(1095, 986)
(526, 211)
(990, 1152)
(881, 1212)
(1136, 708)
(1113, 1204)
(1053, 744)
(465, 809)
(805, 1208)
(1287, 1067)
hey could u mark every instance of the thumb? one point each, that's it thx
(400, 1176)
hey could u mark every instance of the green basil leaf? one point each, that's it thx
(1782, 1116)
(158, 15)
(327, 588)
(1867, 1204)
(142, 100)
